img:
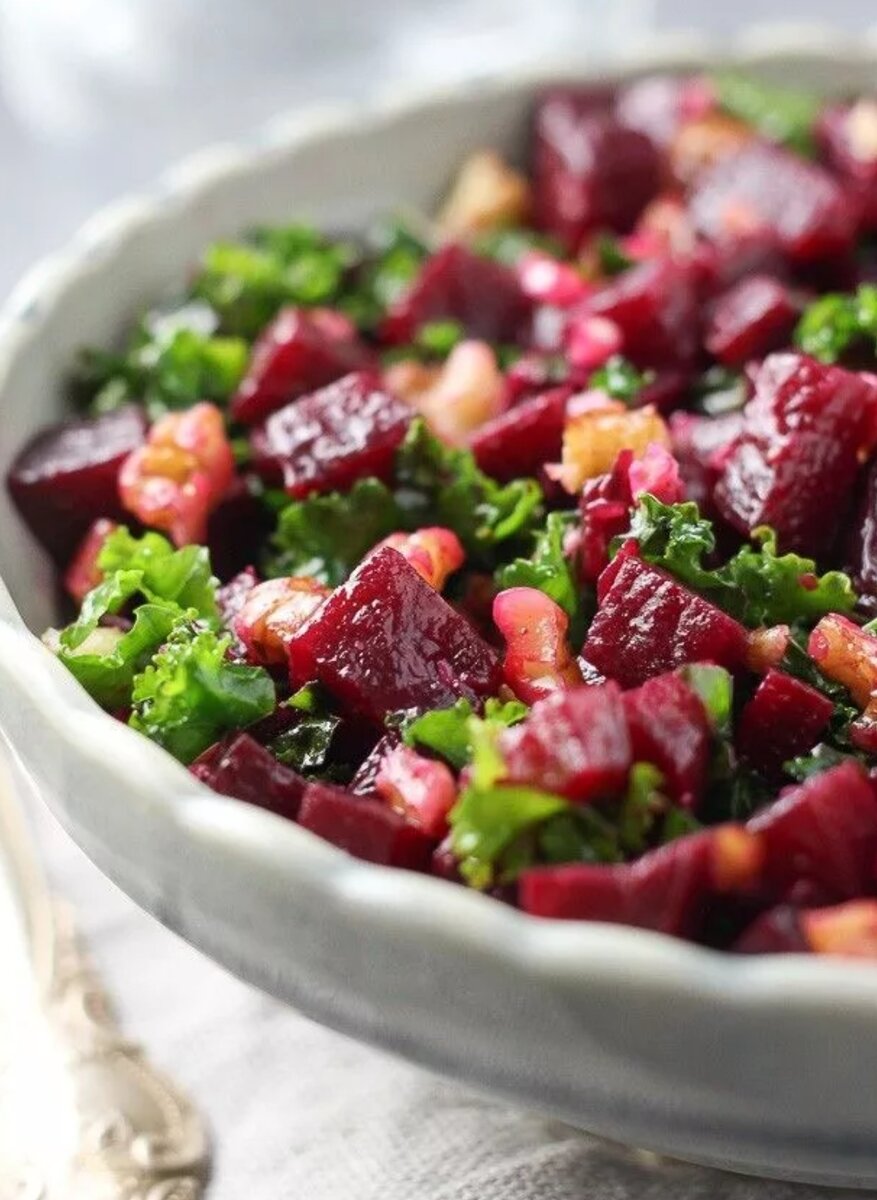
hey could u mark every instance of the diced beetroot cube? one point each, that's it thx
(669, 727)
(238, 766)
(364, 828)
(783, 719)
(484, 296)
(656, 307)
(824, 830)
(364, 782)
(328, 440)
(664, 390)
(764, 187)
(589, 170)
(521, 440)
(385, 641)
(777, 931)
(700, 446)
(658, 105)
(848, 138)
(794, 465)
(300, 351)
(533, 374)
(668, 889)
(862, 541)
(66, 477)
(648, 624)
(605, 506)
(237, 524)
(574, 743)
(752, 318)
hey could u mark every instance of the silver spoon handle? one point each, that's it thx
(93, 1120)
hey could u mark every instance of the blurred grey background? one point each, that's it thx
(97, 96)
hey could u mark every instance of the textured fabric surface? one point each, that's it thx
(299, 1113)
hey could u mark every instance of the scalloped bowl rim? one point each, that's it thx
(564, 951)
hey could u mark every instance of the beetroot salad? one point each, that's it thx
(532, 545)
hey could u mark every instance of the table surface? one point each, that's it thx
(295, 1111)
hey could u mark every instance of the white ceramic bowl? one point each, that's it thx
(763, 1065)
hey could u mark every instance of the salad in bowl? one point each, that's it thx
(531, 544)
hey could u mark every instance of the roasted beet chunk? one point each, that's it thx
(66, 477)
(387, 641)
(667, 889)
(483, 296)
(700, 446)
(328, 440)
(238, 766)
(300, 351)
(783, 719)
(365, 828)
(764, 187)
(574, 743)
(862, 541)
(824, 832)
(656, 308)
(647, 624)
(669, 727)
(848, 137)
(589, 171)
(523, 439)
(752, 318)
(794, 465)
(778, 931)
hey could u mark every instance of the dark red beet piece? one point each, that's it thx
(238, 766)
(66, 477)
(777, 931)
(574, 743)
(656, 307)
(236, 525)
(521, 440)
(385, 640)
(364, 782)
(824, 830)
(532, 374)
(783, 719)
(648, 624)
(300, 351)
(749, 320)
(326, 441)
(484, 296)
(837, 137)
(764, 187)
(364, 828)
(589, 170)
(794, 465)
(668, 889)
(669, 727)
(862, 542)
(700, 446)
(605, 505)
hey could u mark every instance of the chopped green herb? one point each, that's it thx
(835, 323)
(191, 694)
(757, 586)
(440, 485)
(781, 114)
(438, 338)
(508, 246)
(821, 758)
(611, 258)
(619, 379)
(715, 687)
(448, 731)
(643, 804)
(325, 537)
